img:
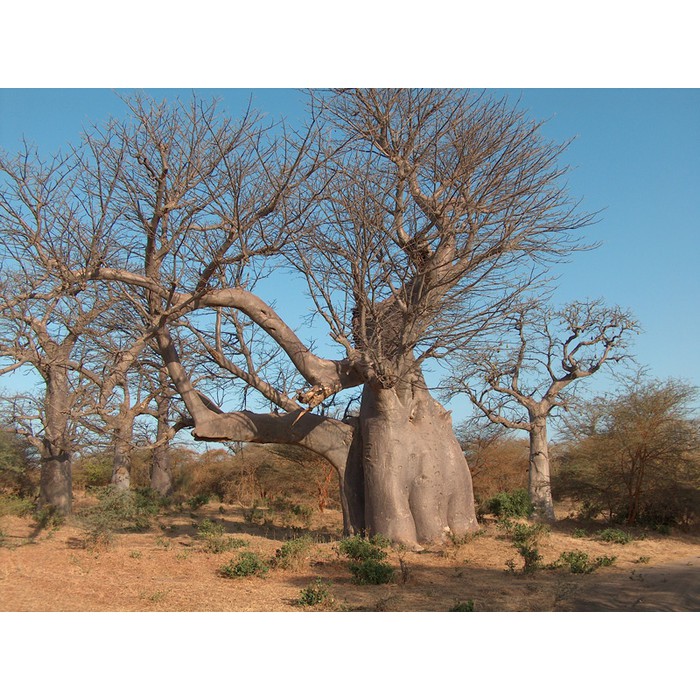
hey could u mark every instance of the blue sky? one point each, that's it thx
(635, 158)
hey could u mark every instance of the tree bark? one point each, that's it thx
(417, 484)
(401, 471)
(121, 469)
(161, 469)
(56, 481)
(540, 487)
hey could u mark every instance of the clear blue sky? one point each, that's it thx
(635, 156)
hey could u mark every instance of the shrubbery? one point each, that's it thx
(119, 510)
(634, 457)
(368, 555)
(511, 504)
(246, 564)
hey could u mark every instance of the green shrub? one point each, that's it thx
(196, 502)
(93, 471)
(371, 571)
(525, 539)
(316, 594)
(612, 534)
(579, 562)
(119, 510)
(463, 606)
(247, 564)
(511, 504)
(579, 533)
(48, 517)
(360, 548)
(368, 556)
(293, 553)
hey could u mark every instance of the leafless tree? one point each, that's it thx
(414, 217)
(47, 228)
(527, 371)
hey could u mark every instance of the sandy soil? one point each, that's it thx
(167, 569)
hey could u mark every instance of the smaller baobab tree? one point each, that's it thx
(525, 373)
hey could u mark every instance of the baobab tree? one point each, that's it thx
(527, 371)
(44, 314)
(414, 218)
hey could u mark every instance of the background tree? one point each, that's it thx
(635, 454)
(414, 217)
(527, 372)
(45, 229)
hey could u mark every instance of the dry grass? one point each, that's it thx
(167, 569)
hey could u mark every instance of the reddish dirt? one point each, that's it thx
(167, 569)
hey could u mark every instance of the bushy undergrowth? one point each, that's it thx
(316, 595)
(371, 572)
(214, 537)
(511, 504)
(614, 535)
(525, 539)
(361, 548)
(15, 505)
(367, 555)
(246, 564)
(293, 553)
(119, 510)
(463, 606)
(579, 562)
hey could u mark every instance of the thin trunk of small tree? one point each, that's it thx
(161, 469)
(121, 469)
(540, 487)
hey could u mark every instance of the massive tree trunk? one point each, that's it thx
(401, 471)
(56, 482)
(417, 484)
(540, 487)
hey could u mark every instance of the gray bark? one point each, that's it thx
(121, 470)
(161, 469)
(56, 481)
(539, 474)
(417, 484)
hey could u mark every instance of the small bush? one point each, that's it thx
(463, 606)
(579, 533)
(196, 502)
(316, 594)
(247, 564)
(612, 534)
(93, 471)
(525, 539)
(214, 538)
(372, 572)
(293, 553)
(578, 562)
(48, 517)
(511, 504)
(360, 548)
(254, 515)
(368, 556)
(119, 510)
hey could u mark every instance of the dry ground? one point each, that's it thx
(167, 569)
